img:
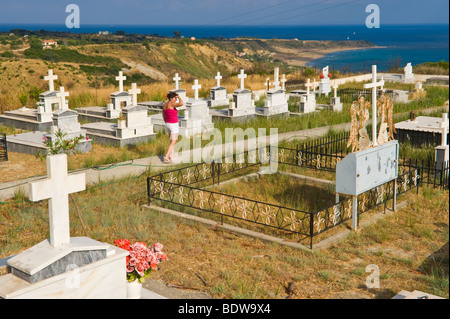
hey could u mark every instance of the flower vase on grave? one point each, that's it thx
(134, 289)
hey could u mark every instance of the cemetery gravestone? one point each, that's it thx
(324, 85)
(181, 92)
(64, 266)
(196, 116)
(135, 126)
(119, 99)
(308, 100)
(276, 101)
(408, 75)
(336, 104)
(218, 95)
(39, 119)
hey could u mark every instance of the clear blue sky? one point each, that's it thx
(224, 12)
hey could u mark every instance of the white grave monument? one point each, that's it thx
(336, 104)
(63, 266)
(308, 100)
(196, 116)
(39, 119)
(218, 94)
(63, 120)
(325, 85)
(133, 127)
(119, 99)
(243, 104)
(276, 101)
(181, 92)
(408, 75)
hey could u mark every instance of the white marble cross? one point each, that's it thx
(283, 82)
(218, 78)
(121, 78)
(335, 87)
(50, 78)
(242, 76)
(374, 86)
(62, 95)
(196, 87)
(314, 85)
(276, 82)
(308, 86)
(134, 91)
(56, 188)
(444, 127)
(176, 79)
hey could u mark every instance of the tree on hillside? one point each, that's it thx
(177, 34)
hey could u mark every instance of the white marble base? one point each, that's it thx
(104, 279)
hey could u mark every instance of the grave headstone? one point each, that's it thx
(336, 104)
(324, 85)
(39, 119)
(218, 95)
(308, 100)
(244, 105)
(408, 75)
(276, 101)
(119, 99)
(181, 92)
(64, 266)
(196, 116)
(133, 126)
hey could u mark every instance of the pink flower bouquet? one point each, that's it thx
(142, 260)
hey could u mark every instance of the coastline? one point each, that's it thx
(308, 56)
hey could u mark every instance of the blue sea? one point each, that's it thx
(397, 43)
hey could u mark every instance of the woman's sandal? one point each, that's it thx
(167, 160)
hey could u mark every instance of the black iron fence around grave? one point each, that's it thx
(177, 187)
(3, 147)
(341, 212)
(418, 138)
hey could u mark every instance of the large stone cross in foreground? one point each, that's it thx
(56, 188)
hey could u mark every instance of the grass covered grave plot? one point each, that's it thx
(282, 190)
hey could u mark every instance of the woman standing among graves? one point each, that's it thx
(170, 115)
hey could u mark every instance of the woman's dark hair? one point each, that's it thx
(171, 95)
